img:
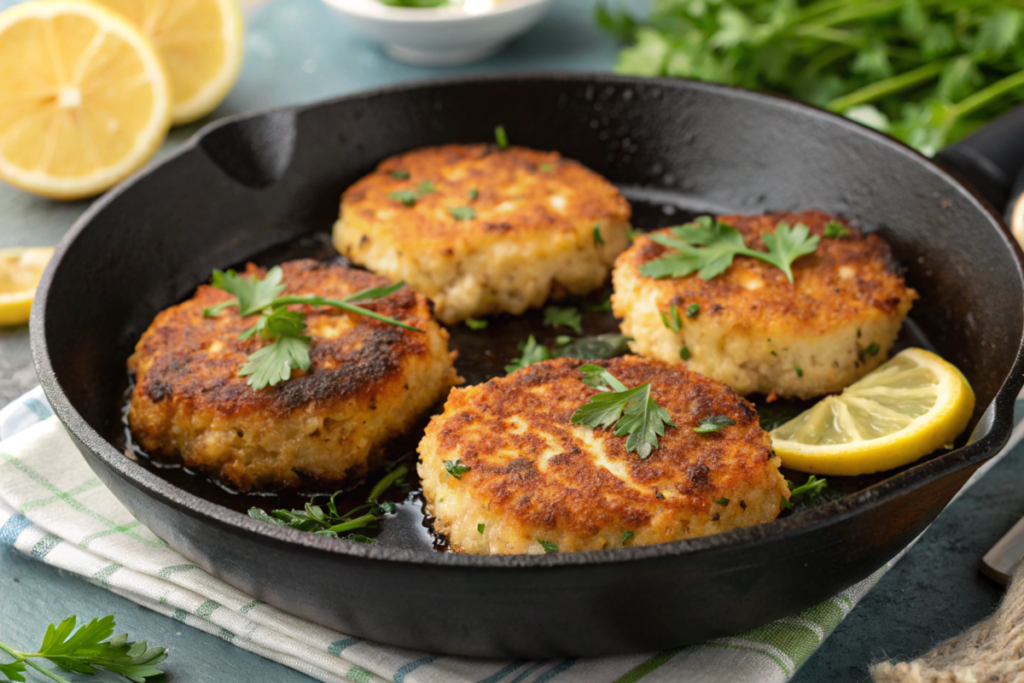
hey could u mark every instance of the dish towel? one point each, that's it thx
(54, 509)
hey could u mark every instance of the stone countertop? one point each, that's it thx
(297, 51)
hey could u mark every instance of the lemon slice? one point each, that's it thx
(201, 42)
(84, 98)
(20, 270)
(903, 410)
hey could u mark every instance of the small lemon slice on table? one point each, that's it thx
(903, 410)
(201, 42)
(84, 98)
(20, 270)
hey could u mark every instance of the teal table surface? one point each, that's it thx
(297, 51)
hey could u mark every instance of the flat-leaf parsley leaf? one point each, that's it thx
(707, 246)
(456, 468)
(563, 316)
(630, 412)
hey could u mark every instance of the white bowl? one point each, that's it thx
(442, 36)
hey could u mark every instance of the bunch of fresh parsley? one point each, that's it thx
(331, 522)
(86, 651)
(707, 246)
(926, 72)
(288, 346)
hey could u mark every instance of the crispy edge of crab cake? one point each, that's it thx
(368, 381)
(535, 476)
(755, 330)
(541, 226)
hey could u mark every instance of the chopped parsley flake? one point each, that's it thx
(799, 371)
(546, 168)
(684, 353)
(480, 528)
(462, 213)
(548, 546)
(835, 230)
(456, 468)
(872, 349)
(475, 324)
(692, 310)
(713, 423)
(473, 194)
(672, 320)
(409, 197)
(400, 175)
(722, 501)
(501, 137)
(626, 536)
(564, 316)
(597, 235)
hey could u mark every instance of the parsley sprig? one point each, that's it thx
(85, 651)
(284, 329)
(596, 347)
(331, 522)
(564, 316)
(707, 246)
(629, 412)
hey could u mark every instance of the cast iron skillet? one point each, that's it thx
(246, 183)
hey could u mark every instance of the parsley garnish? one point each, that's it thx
(456, 468)
(500, 137)
(713, 424)
(630, 412)
(288, 348)
(399, 175)
(546, 168)
(87, 650)
(567, 316)
(532, 353)
(835, 230)
(480, 527)
(708, 246)
(798, 370)
(659, 495)
(330, 522)
(597, 235)
(692, 310)
(599, 346)
(872, 349)
(723, 501)
(684, 353)
(473, 194)
(475, 324)
(626, 535)
(462, 213)
(409, 197)
(548, 546)
(812, 492)
(672, 320)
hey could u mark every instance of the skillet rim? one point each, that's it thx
(999, 413)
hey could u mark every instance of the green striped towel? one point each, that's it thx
(54, 509)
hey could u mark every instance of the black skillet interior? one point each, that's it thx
(248, 184)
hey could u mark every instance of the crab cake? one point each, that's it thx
(481, 230)
(368, 381)
(757, 332)
(531, 475)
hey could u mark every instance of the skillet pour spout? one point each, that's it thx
(247, 183)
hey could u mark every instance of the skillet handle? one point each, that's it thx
(991, 158)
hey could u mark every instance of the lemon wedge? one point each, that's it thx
(901, 411)
(201, 42)
(20, 270)
(84, 98)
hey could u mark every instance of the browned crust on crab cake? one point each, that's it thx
(368, 381)
(536, 476)
(759, 333)
(532, 237)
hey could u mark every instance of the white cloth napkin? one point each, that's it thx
(54, 509)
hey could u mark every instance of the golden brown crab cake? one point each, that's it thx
(368, 381)
(535, 476)
(756, 331)
(527, 225)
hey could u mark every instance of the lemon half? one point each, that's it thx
(20, 270)
(84, 98)
(201, 42)
(903, 410)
